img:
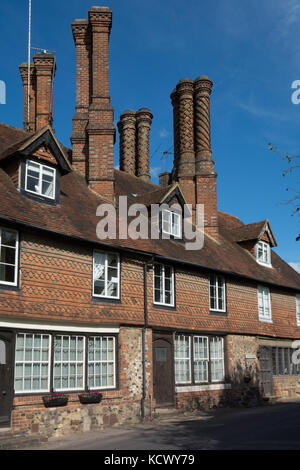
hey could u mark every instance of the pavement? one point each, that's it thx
(268, 427)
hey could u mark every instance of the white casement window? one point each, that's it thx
(69, 363)
(217, 359)
(201, 358)
(40, 179)
(32, 363)
(298, 309)
(171, 223)
(163, 285)
(182, 357)
(106, 275)
(101, 362)
(9, 256)
(217, 292)
(263, 253)
(264, 304)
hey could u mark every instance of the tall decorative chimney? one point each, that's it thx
(127, 131)
(29, 120)
(206, 177)
(183, 100)
(79, 138)
(193, 163)
(45, 71)
(101, 130)
(143, 123)
(134, 129)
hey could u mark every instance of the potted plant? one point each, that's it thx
(91, 396)
(55, 399)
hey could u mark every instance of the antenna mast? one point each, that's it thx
(29, 48)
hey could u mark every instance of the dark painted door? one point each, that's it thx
(266, 371)
(6, 377)
(163, 375)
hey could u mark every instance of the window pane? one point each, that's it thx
(101, 365)
(182, 359)
(68, 367)
(31, 370)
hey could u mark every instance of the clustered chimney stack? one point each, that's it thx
(193, 163)
(93, 134)
(79, 137)
(134, 128)
(42, 73)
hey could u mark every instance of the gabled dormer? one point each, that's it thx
(258, 239)
(36, 165)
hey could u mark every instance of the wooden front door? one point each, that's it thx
(6, 377)
(163, 373)
(266, 372)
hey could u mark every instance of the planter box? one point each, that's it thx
(54, 401)
(90, 397)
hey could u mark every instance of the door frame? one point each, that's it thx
(168, 338)
(9, 337)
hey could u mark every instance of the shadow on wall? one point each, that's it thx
(244, 392)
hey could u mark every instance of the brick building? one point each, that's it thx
(146, 322)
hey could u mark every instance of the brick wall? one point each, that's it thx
(56, 283)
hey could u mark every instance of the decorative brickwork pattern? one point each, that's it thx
(127, 130)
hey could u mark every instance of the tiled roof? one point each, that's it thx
(75, 216)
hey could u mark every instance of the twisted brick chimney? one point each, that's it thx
(42, 73)
(134, 128)
(206, 177)
(127, 131)
(193, 163)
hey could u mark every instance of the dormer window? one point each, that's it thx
(263, 253)
(171, 223)
(40, 179)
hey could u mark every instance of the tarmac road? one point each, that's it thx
(271, 427)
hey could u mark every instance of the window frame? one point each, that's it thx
(69, 361)
(263, 318)
(192, 380)
(172, 215)
(264, 246)
(164, 304)
(41, 167)
(298, 309)
(32, 362)
(112, 387)
(105, 296)
(17, 261)
(216, 310)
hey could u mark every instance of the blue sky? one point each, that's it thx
(251, 51)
